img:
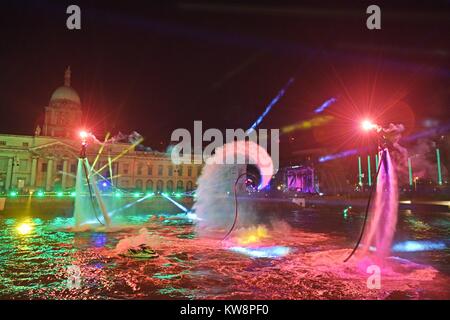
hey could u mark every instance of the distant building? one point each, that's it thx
(300, 179)
(48, 160)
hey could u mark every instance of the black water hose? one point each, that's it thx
(90, 191)
(235, 204)
(367, 207)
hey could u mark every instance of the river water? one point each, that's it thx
(293, 254)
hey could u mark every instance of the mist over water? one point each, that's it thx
(214, 204)
(89, 206)
(83, 206)
(384, 211)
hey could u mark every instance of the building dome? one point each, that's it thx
(65, 93)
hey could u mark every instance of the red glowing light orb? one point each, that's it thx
(83, 134)
(367, 125)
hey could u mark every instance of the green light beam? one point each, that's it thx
(438, 157)
(410, 172)
(360, 171)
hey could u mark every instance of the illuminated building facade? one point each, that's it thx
(48, 159)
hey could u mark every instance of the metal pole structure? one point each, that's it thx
(369, 176)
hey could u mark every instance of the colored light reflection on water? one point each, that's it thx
(99, 239)
(263, 252)
(24, 228)
(414, 246)
(34, 266)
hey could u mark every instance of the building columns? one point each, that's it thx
(48, 183)
(64, 175)
(33, 172)
(9, 174)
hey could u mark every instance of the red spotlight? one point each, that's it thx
(83, 134)
(367, 125)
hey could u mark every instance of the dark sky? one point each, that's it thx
(154, 67)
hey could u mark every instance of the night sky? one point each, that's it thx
(154, 67)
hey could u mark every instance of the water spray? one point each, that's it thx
(253, 127)
(84, 136)
(366, 214)
(383, 141)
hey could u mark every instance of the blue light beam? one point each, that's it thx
(271, 104)
(325, 105)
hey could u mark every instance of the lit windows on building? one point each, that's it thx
(149, 185)
(159, 186)
(48, 160)
(169, 187)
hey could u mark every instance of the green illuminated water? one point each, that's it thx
(35, 254)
